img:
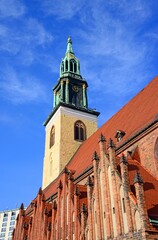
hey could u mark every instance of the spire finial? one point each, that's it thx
(69, 45)
(138, 178)
(69, 40)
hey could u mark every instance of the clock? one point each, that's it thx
(75, 88)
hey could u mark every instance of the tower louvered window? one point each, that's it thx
(79, 131)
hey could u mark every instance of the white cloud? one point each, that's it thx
(135, 10)
(62, 9)
(21, 41)
(36, 33)
(152, 35)
(30, 33)
(116, 53)
(19, 88)
(11, 8)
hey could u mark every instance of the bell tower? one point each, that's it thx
(71, 122)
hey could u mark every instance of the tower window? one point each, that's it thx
(79, 131)
(52, 136)
(71, 66)
(66, 65)
(75, 67)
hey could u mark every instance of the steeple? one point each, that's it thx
(71, 121)
(71, 88)
(70, 64)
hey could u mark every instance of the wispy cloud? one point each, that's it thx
(113, 49)
(22, 40)
(11, 8)
(62, 9)
(19, 88)
(36, 33)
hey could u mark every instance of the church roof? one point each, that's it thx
(137, 115)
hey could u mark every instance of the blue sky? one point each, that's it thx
(117, 44)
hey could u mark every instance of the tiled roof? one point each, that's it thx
(132, 118)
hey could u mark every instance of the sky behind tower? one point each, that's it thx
(117, 44)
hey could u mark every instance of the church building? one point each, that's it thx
(98, 184)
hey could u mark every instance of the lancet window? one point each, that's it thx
(79, 131)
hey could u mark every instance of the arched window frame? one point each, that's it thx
(79, 131)
(73, 66)
(52, 137)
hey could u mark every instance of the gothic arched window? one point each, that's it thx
(79, 131)
(52, 136)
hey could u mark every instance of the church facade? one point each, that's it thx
(101, 183)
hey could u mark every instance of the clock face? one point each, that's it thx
(75, 88)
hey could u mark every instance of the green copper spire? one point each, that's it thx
(71, 88)
(69, 46)
(70, 64)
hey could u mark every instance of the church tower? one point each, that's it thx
(71, 121)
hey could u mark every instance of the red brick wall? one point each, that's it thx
(145, 152)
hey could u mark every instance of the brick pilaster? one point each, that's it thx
(76, 212)
(90, 209)
(30, 227)
(138, 184)
(95, 159)
(104, 167)
(58, 232)
(49, 228)
(83, 221)
(64, 207)
(54, 211)
(126, 188)
(112, 157)
(70, 178)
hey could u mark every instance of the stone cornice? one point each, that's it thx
(86, 112)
